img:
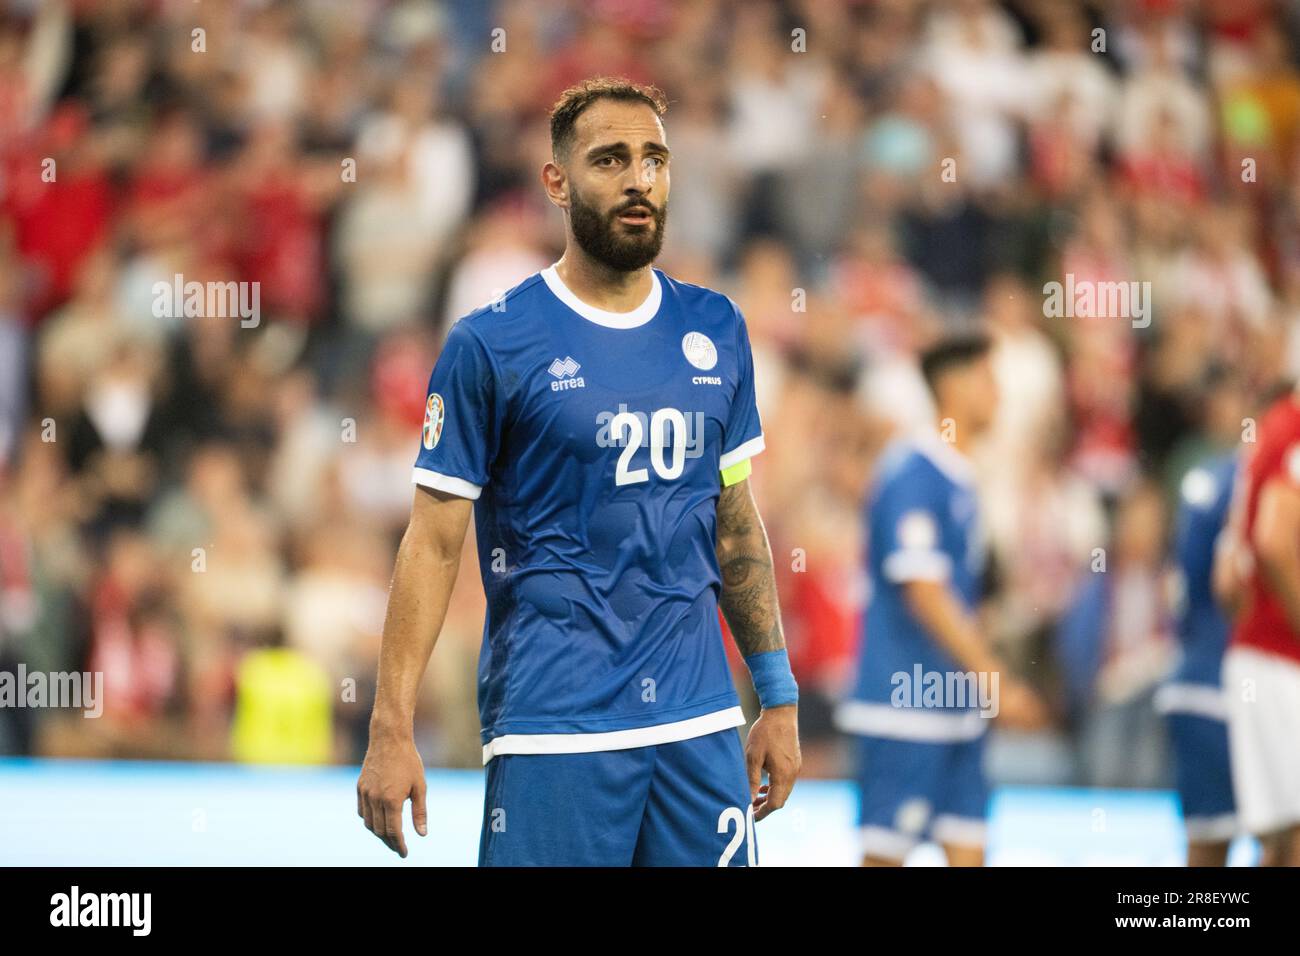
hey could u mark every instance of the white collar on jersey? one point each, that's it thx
(945, 457)
(642, 314)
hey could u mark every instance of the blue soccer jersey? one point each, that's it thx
(1205, 496)
(1204, 499)
(592, 444)
(922, 524)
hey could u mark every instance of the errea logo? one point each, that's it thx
(565, 370)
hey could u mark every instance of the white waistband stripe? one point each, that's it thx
(614, 739)
(909, 723)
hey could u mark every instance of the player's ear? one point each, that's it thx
(556, 184)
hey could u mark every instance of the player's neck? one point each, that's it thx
(600, 286)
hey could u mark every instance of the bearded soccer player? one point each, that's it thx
(1257, 572)
(599, 419)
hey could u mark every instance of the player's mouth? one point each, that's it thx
(636, 216)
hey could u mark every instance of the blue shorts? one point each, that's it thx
(678, 804)
(910, 791)
(1203, 776)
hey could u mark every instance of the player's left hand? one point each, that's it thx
(773, 746)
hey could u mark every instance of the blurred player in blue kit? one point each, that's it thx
(928, 679)
(1192, 699)
(598, 419)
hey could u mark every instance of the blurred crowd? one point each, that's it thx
(206, 511)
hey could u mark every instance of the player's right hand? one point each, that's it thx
(1020, 708)
(392, 773)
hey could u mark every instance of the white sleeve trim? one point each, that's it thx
(917, 566)
(1203, 700)
(448, 483)
(738, 454)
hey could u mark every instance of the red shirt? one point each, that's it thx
(57, 226)
(1262, 624)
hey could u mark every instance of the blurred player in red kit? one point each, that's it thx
(1257, 572)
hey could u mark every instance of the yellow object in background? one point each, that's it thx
(282, 709)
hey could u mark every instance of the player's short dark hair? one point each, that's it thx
(952, 351)
(575, 100)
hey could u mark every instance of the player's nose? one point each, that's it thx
(644, 176)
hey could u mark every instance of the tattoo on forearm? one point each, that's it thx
(749, 599)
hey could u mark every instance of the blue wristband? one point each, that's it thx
(773, 679)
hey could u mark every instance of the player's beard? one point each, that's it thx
(599, 234)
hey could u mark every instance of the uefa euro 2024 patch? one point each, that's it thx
(434, 413)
